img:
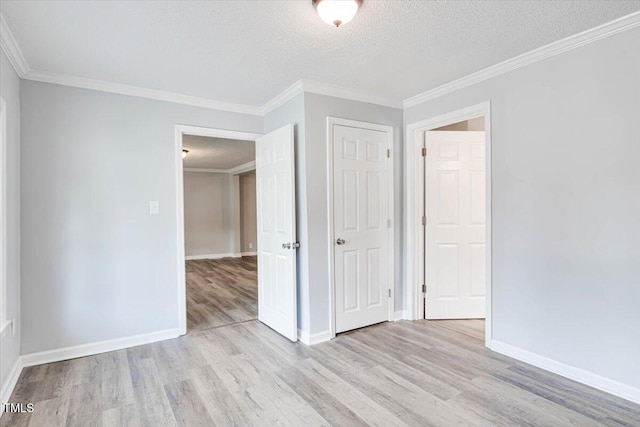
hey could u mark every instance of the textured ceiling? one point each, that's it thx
(217, 153)
(249, 51)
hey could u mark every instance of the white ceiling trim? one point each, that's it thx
(205, 170)
(589, 36)
(104, 86)
(283, 97)
(17, 60)
(311, 86)
(354, 95)
(245, 167)
(11, 49)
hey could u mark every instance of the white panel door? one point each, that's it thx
(361, 227)
(455, 229)
(275, 202)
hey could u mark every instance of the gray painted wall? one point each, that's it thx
(317, 109)
(248, 222)
(566, 204)
(208, 211)
(10, 92)
(292, 112)
(95, 265)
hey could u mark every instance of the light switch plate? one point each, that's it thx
(250, 245)
(154, 208)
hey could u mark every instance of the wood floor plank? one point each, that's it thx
(52, 413)
(421, 373)
(221, 292)
(187, 407)
(85, 408)
(122, 416)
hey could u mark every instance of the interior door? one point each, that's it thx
(275, 202)
(455, 225)
(361, 209)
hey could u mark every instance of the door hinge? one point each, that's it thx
(424, 288)
(389, 293)
(424, 152)
(389, 223)
(424, 220)
(388, 153)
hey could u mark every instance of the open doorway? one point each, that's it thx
(455, 226)
(219, 218)
(219, 278)
(276, 243)
(449, 192)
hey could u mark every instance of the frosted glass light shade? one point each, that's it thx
(337, 12)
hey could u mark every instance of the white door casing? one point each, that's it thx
(362, 212)
(455, 214)
(275, 202)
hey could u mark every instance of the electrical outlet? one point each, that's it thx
(154, 208)
(250, 245)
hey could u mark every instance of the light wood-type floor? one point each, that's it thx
(424, 373)
(221, 292)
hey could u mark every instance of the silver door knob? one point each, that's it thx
(340, 241)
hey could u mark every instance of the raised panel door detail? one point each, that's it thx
(281, 208)
(477, 204)
(455, 208)
(477, 150)
(282, 285)
(266, 189)
(350, 149)
(360, 213)
(373, 151)
(374, 258)
(351, 280)
(373, 200)
(448, 197)
(448, 151)
(275, 206)
(266, 261)
(350, 199)
(447, 276)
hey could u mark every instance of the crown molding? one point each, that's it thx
(283, 97)
(122, 89)
(320, 88)
(17, 60)
(589, 36)
(11, 49)
(327, 89)
(205, 170)
(245, 167)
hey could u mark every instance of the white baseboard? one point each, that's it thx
(213, 256)
(83, 350)
(249, 253)
(74, 352)
(616, 388)
(10, 382)
(312, 339)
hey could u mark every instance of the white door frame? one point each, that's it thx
(414, 204)
(180, 131)
(332, 121)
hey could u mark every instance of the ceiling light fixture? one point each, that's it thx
(336, 12)
(184, 153)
